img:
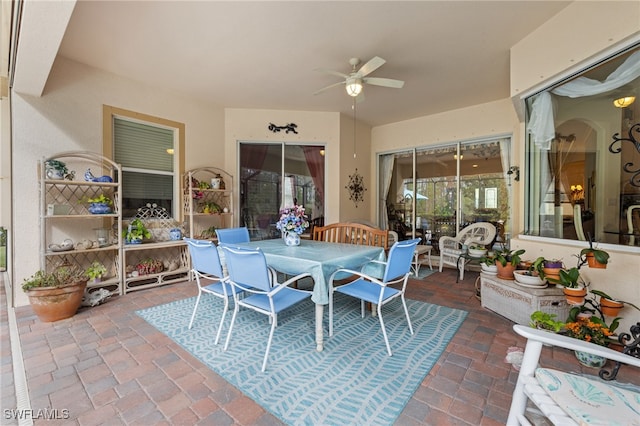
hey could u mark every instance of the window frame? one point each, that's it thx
(109, 113)
(532, 224)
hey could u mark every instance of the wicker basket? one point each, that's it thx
(517, 303)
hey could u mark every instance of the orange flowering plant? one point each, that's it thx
(592, 329)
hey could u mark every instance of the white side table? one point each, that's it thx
(421, 255)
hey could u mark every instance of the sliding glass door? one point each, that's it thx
(277, 175)
(436, 191)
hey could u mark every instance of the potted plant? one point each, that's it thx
(573, 285)
(488, 263)
(208, 234)
(590, 329)
(99, 205)
(136, 232)
(594, 257)
(56, 169)
(551, 267)
(56, 295)
(610, 306)
(545, 321)
(96, 271)
(507, 261)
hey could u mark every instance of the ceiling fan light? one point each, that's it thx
(354, 86)
(624, 101)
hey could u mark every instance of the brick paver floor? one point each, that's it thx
(108, 366)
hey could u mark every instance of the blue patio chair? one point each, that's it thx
(248, 273)
(206, 266)
(233, 235)
(377, 291)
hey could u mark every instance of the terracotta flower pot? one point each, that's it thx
(610, 307)
(575, 296)
(593, 263)
(553, 273)
(54, 304)
(505, 272)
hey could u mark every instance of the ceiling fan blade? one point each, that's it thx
(329, 87)
(385, 82)
(336, 73)
(373, 64)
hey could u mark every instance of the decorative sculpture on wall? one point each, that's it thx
(629, 167)
(291, 127)
(356, 188)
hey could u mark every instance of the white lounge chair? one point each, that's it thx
(565, 398)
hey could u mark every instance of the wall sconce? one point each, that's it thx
(516, 170)
(354, 86)
(624, 101)
(170, 151)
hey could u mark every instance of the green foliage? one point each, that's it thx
(505, 256)
(61, 277)
(568, 277)
(136, 231)
(96, 270)
(545, 321)
(600, 255)
(102, 199)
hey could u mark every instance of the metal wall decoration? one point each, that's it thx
(629, 167)
(289, 128)
(356, 188)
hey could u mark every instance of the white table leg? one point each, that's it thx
(319, 331)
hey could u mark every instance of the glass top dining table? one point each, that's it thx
(320, 259)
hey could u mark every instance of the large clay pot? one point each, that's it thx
(610, 307)
(54, 304)
(505, 272)
(575, 296)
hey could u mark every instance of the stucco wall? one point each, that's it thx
(68, 117)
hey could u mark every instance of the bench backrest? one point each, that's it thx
(352, 233)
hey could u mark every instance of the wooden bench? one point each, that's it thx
(352, 233)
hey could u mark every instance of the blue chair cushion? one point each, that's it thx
(366, 290)
(281, 300)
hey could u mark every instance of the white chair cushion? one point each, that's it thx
(590, 402)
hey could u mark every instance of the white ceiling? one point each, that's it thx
(262, 54)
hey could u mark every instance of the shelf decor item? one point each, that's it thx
(56, 169)
(96, 271)
(100, 204)
(136, 232)
(56, 295)
(292, 221)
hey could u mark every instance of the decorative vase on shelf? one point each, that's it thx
(99, 208)
(590, 360)
(291, 238)
(175, 234)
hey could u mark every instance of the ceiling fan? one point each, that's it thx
(355, 80)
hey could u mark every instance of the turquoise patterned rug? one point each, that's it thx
(352, 382)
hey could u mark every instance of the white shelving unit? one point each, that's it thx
(171, 254)
(69, 232)
(205, 205)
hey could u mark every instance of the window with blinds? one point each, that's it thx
(145, 152)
